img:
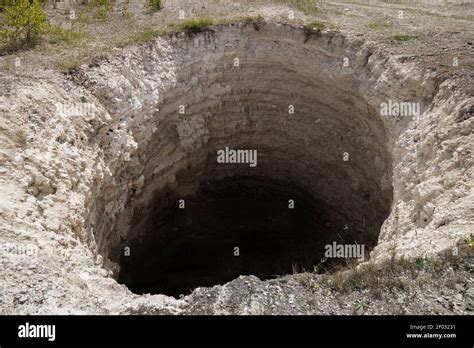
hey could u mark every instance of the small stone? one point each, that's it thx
(22, 300)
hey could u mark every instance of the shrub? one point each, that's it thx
(5, 3)
(155, 5)
(25, 21)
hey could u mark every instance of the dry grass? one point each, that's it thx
(403, 37)
(378, 25)
(145, 35)
(392, 274)
(308, 7)
(58, 35)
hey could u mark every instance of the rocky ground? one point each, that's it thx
(400, 287)
(443, 285)
(431, 32)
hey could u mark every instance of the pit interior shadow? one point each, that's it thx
(237, 226)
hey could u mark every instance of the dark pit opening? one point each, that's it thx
(232, 227)
(320, 143)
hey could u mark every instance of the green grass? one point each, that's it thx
(403, 37)
(361, 305)
(377, 25)
(57, 35)
(145, 35)
(316, 25)
(196, 25)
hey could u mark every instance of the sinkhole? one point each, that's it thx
(174, 217)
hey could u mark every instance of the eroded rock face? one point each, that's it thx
(85, 186)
